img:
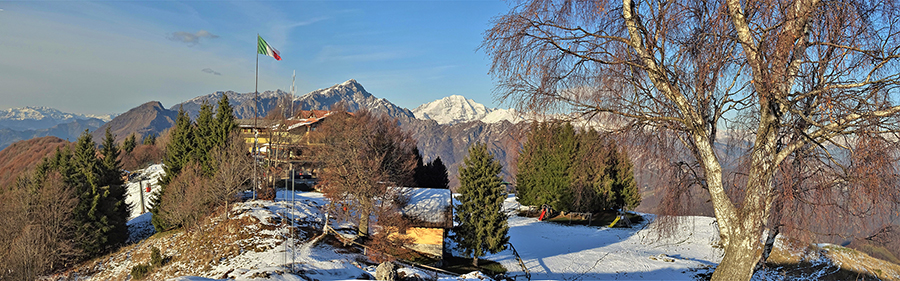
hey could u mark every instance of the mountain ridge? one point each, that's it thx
(42, 117)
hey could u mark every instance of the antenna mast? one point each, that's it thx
(293, 90)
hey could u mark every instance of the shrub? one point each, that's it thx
(156, 259)
(140, 271)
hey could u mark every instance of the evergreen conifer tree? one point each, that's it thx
(205, 138)
(437, 174)
(129, 143)
(149, 139)
(574, 171)
(420, 174)
(92, 224)
(225, 123)
(627, 195)
(545, 165)
(528, 164)
(113, 205)
(482, 226)
(178, 154)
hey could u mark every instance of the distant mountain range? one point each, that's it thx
(444, 128)
(350, 92)
(37, 118)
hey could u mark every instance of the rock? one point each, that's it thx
(386, 271)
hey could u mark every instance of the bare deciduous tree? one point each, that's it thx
(37, 235)
(234, 169)
(364, 154)
(187, 198)
(804, 79)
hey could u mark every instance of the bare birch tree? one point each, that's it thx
(804, 78)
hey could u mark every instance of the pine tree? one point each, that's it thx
(114, 206)
(149, 139)
(545, 165)
(92, 224)
(527, 189)
(178, 154)
(437, 174)
(482, 226)
(574, 171)
(225, 123)
(420, 174)
(627, 195)
(129, 143)
(432, 174)
(205, 138)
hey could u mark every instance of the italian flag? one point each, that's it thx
(264, 49)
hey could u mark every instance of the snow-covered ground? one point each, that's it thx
(252, 243)
(554, 251)
(137, 187)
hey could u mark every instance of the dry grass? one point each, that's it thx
(194, 252)
(830, 262)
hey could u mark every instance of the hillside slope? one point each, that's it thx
(22, 156)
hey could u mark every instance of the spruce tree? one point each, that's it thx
(149, 139)
(225, 123)
(113, 205)
(545, 165)
(482, 226)
(420, 174)
(528, 164)
(178, 154)
(627, 195)
(92, 224)
(437, 174)
(205, 138)
(129, 143)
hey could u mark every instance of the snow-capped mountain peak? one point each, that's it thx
(40, 117)
(458, 109)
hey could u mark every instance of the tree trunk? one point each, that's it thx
(768, 246)
(740, 259)
(475, 262)
(363, 224)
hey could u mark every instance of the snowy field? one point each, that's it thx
(553, 251)
(252, 243)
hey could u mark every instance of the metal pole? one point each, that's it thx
(293, 245)
(255, 117)
(141, 186)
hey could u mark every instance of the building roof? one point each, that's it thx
(257, 123)
(430, 205)
(304, 118)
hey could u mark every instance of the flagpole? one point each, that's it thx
(255, 117)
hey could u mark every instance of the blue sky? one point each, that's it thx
(110, 56)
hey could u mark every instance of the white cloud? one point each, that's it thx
(191, 38)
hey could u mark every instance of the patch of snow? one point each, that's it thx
(554, 251)
(500, 115)
(139, 228)
(136, 188)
